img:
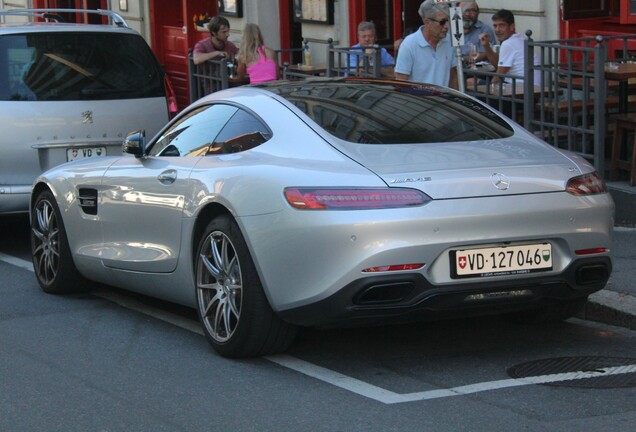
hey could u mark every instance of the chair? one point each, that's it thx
(624, 122)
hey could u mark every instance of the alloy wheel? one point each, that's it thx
(219, 286)
(46, 240)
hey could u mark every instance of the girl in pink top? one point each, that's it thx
(255, 58)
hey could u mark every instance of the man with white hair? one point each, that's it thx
(427, 55)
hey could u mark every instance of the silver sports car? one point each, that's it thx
(330, 202)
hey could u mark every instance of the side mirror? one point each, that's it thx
(135, 143)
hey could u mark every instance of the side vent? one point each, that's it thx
(88, 201)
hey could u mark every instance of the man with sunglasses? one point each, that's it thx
(427, 55)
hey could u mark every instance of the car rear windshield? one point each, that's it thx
(394, 113)
(60, 66)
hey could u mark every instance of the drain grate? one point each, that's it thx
(582, 372)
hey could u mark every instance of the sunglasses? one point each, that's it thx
(441, 22)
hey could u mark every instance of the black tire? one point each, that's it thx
(234, 311)
(52, 260)
(551, 313)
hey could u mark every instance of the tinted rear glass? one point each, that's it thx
(77, 66)
(385, 113)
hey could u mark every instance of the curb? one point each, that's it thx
(609, 307)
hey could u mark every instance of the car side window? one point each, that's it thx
(242, 132)
(194, 133)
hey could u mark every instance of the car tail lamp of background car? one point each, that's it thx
(171, 98)
(353, 199)
(588, 184)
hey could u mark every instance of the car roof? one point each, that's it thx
(56, 21)
(40, 27)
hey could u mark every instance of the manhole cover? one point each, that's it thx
(584, 372)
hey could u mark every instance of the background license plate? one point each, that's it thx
(85, 152)
(499, 261)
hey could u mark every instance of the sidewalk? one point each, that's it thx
(616, 304)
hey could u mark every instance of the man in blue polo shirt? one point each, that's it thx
(427, 55)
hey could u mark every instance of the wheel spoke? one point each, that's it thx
(214, 271)
(233, 298)
(217, 255)
(215, 300)
(218, 317)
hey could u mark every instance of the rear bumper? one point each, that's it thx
(410, 297)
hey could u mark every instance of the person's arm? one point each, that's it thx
(240, 70)
(453, 83)
(489, 53)
(500, 70)
(387, 58)
(200, 57)
(404, 63)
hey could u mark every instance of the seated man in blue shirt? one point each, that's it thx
(473, 28)
(367, 37)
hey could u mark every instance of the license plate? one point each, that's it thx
(85, 152)
(501, 261)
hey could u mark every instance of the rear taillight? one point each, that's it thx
(592, 251)
(171, 98)
(391, 268)
(588, 184)
(353, 199)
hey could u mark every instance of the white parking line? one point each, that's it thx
(343, 381)
(18, 262)
(388, 397)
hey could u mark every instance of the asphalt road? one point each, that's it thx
(110, 361)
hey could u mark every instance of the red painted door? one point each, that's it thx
(173, 34)
(174, 46)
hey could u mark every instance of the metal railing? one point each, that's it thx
(573, 115)
(207, 77)
(506, 95)
(570, 105)
(347, 61)
(578, 115)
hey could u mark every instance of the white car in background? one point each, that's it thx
(68, 92)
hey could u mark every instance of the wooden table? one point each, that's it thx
(622, 74)
(307, 69)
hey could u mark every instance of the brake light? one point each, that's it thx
(353, 199)
(591, 251)
(171, 98)
(389, 268)
(588, 184)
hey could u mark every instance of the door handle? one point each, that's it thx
(167, 177)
